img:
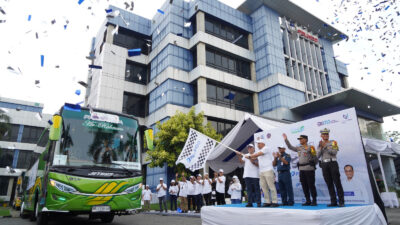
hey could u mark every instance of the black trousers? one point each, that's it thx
(173, 199)
(330, 171)
(191, 202)
(307, 180)
(207, 198)
(220, 198)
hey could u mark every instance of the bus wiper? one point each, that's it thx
(130, 172)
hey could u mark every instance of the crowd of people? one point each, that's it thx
(195, 192)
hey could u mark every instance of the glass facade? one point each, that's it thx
(227, 32)
(130, 39)
(227, 63)
(171, 92)
(26, 159)
(136, 73)
(135, 105)
(12, 134)
(221, 126)
(31, 134)
(6, 157)
(4, 181)
(279, 96)
(230, 98)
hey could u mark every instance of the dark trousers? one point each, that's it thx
(253, 190)
(162, 200)
(191, 202)
(330, 171)
(172, 199)
(199, 201)
(285, 187)
(220, 198)
(307, 180)
(207, 198)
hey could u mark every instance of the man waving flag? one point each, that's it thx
(196, 150)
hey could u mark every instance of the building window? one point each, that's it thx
(226, 97)
(6, 157)
(226, 32)
(4, 181)
(26, 158)
(227, 63)
(342, 80)
(12, 134)
(130, 39)
(136, 105)
(44, 139)
(136, 73)
(31, 134)
(222, 126)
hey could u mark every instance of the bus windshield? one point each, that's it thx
(96, 138)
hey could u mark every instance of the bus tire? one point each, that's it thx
(22, 213)
(42, 219)
(107, 218)
(35, 211)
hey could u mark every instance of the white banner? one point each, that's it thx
(344, 129)
(196, 150)
(32, 175)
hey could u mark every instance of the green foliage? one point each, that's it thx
(395, 135)
(172, 136)
(4, 124)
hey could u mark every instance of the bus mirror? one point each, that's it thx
(149, 138)
(55, 129)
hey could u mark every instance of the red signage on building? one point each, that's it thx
(308, 36)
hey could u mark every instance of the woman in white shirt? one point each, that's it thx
(235, 190)
(183, 189)
(173, 193)
(146, 196)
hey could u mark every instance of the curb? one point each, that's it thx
(197, 215)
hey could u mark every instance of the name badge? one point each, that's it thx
(281, 163)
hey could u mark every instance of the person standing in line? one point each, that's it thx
(213, 197)
(197, 193)
(267, 175)
(207, 183)
(183, 189)
(307, 162)
(327, 150)
(235, 190)
(146, 196)
(162, 195)
(282, 162)
(251, 177)
(192, 194)
(220, 179)
(173, 193)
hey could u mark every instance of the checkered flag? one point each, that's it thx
(196, 150)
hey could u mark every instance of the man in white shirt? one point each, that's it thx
(162, 195)
(198, 193)
(173, 193)
(183, 191)
(192, 194)
(220, 179)
(354, 189)
(267, 175)
(251, 177)
(207, 182)
(146, 197)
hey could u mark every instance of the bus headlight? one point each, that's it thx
(133, 189)
(62, 187)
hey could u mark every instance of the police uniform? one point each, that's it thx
(330, 169)
(285, 179)
(307, 162)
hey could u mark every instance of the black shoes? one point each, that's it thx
(341, 204)
(306, 204)
(274, 205)
(334, 204)
(266, 204)
(249, 205)
(314, 203)
(259, 205)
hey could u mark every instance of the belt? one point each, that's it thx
(283, 171)
(329, 160)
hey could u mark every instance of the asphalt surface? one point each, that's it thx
(142, 219)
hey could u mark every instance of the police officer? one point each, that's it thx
(307, 162)
(327, 151)
(282, 162)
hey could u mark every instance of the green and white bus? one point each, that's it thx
(89, 164)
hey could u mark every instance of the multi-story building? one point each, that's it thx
(17, 145)
(265, 57)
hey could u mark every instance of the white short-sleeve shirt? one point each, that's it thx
(206, 186)
(250, 170)
(220, 187)
(265, 161)
(161, 192)
(183, 189)
(146, 195)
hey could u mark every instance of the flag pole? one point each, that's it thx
(236, 151)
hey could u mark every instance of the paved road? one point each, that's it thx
(118, 220)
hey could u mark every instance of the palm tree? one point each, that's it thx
(4, 124)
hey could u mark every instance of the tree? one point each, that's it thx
(172, 135)
(4, 124)
(393, 135)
